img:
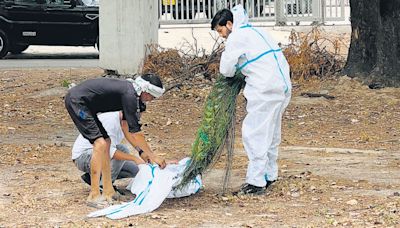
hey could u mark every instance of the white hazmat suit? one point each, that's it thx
(267, 91)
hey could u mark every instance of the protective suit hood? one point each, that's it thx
(240, 17)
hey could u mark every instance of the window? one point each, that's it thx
(25, 1)
(62, 2)
(55, 2)
(91, 2)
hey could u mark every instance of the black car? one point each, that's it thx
(47, 22)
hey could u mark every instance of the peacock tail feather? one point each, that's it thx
(216, 128)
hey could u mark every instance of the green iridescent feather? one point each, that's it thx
(216, 126)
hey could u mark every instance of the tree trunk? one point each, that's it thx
(374, 53)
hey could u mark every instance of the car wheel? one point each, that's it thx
(18, 49)
(4, 44)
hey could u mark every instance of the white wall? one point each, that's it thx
(126, 26)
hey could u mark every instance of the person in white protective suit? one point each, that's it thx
(267, 91)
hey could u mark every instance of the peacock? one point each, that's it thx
(216, 130)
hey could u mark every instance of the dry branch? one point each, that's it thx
(308, 55)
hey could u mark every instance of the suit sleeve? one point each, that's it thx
(234, 48)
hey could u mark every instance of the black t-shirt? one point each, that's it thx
(110, 94)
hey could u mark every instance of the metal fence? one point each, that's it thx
(279, 11)
(334, 10)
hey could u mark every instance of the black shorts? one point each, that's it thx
(87, 123)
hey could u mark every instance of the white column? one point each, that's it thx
(280, 13)
(318, 11)
(126, 26)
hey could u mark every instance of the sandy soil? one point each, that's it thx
(339, 160)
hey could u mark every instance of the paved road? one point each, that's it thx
(52, 57)
(48, 63)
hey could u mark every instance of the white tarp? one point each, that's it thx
(191, 188)
(152, 186)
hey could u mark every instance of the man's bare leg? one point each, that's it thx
(96, 163)
(108, 190)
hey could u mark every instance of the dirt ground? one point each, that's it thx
(339, 160)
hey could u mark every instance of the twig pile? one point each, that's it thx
(309, 55)
(313, 55)
(177, 67)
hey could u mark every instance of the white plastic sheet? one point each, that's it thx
(191, 188)
(152, 186)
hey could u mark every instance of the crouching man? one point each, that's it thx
(123, 164)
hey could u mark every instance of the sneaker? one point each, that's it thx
(120, 191)
(248, 189)
(86, 178)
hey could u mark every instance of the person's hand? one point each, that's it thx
(154, 159)
(146, 157)
(160, 161)
(139, 161)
